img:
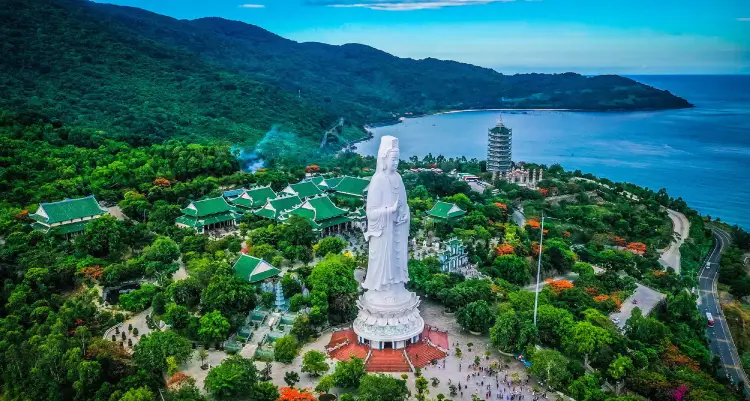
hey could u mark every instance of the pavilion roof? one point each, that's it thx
(253, 269)
(275, 207)
(254, 197)
(352, 186)
(303, 189)
(319, 209)
(445, 210)
(207, 207)
(68, 209)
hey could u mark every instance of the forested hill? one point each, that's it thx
(147, 77)
(361, 81)
(68, 63)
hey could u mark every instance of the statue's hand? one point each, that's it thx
(393, 208)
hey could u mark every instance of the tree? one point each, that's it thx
(325, 384)
(164, 250)
(265, 391)
(229, 295)
(153, 349)
(103, 237)
(290, 286)
(505, 333)
(138, 394)
(334, 277)
(587, 388)
(158, 303)
(477, 316)
(349, 374)
(585, 338)
(380, 387)
(302, 328)
(511, 268)
(292, 394)
(235, 377)
(285, 349)
(177, 316)
(550, 366)
(314, 363)
(291, 378)
(213, 327)
(553, 323)
(186, 292)
(618, 369)
(264, 251)
(334, 245)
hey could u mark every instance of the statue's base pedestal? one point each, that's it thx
(389, 318)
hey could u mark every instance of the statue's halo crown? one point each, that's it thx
(387, 143)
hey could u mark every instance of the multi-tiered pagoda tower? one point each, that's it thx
(499, 143)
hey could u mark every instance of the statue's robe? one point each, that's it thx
(388, 240)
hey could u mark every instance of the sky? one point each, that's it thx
(627, 37)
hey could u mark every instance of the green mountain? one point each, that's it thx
(146, 77)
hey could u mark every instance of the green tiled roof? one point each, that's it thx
(333, 221)
(273, 208)
(255, 197)
(68, 209)
(197, 222)
(444, 210)
(253, 269)
(321, 212)
(332, 182)
(320, 182)
(39, 226)
(304, 189)
(352, 186)
(207, 207)
(324, 208)
(78, 226)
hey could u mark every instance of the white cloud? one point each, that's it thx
(743, 19)
(404, 5)
(252, 6)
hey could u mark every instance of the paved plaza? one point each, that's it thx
(645, 298)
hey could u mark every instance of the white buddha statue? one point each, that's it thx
(387, 222)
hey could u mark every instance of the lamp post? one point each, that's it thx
(539, 263)
(538, 268)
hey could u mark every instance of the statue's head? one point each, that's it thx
(388, 154)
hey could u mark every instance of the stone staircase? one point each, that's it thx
(387, 360)
(422, 354)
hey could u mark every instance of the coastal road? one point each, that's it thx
(681, 226)
(720, 339)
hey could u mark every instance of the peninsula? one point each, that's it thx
(212, 78)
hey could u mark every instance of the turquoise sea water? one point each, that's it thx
(700, 154)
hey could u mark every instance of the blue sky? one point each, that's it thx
(586, 36)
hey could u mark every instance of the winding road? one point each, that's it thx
(671, 256)
(720, 339)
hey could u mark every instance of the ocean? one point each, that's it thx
(701, 154)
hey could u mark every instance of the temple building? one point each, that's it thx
(253, 198)
(277, 208)
(352, 186)
(325, 217)
(208, 214)
(445, 211)
(499, 149)
(453, 257)
(253, 269)
(303, 189)
(67, 217)
(523, 177)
